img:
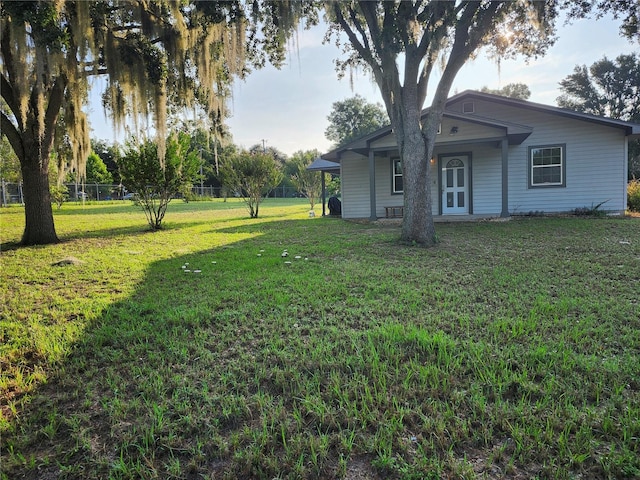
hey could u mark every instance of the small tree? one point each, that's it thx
(97, 170)
(59, 194)
(252, 177)
(307, 182)
(142, 172)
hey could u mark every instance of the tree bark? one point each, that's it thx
(36, 148)
(39, 226)
(415, 151)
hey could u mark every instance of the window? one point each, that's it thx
(468, 107)
(396, 176)
(547, 166)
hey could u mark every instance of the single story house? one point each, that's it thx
(496, 156)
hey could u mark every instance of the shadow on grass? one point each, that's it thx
(179, 379)
(253, 367)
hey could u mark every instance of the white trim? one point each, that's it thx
(560, 165)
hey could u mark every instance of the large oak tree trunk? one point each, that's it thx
(39, 226)
(415, 152)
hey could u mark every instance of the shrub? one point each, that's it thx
(251, 176)
(155, 185)
(633, 195)
(592, 211)
(59, 194)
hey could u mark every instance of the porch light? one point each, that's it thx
(453, 130)
(433, 161)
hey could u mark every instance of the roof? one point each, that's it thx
(320, 164)
(515, 133)
(629, 127)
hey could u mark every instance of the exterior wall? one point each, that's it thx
(485, 178)
(595, 161)
(354, 186)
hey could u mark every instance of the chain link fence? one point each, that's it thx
(11, 193)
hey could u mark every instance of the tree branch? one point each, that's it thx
(15, 140)
(53, 108)
(365, 53)
(8, 95)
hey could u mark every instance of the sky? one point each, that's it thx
(288, 108)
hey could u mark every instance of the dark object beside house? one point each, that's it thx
(335, 206)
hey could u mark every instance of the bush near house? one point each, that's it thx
(633, 195)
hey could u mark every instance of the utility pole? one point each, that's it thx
(264, 146)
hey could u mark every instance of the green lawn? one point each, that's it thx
(510, 350)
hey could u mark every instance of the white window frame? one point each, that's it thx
(561, 164)
(395, 175)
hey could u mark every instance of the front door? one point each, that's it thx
(455, 185)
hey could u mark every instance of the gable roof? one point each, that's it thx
(629, 127)
(516, 133)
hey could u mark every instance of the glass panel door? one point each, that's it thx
(455, 185)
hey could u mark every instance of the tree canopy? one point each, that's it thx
(154, 182)
(307, 182)
(607, 88)
(352, 118)
(512, 90)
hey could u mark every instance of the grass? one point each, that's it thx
(508, 350)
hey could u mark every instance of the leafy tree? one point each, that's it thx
(97, 170)
(607, 88)
(512, 90)
(278, 156)
(153, 54)
(155, 182)
(251, 176)
(59, 193)
(109, 154)
(281, 160)
(9, 163)
(628, 11)
(307, 182)
(333, 186)
(352, 118)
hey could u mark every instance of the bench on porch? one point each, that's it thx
(394, 212)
